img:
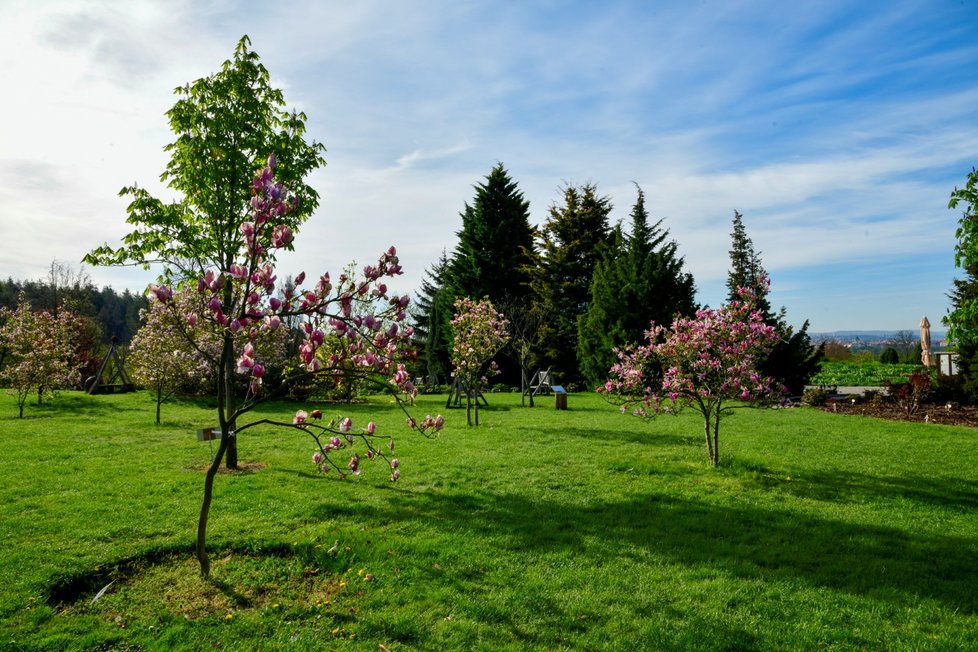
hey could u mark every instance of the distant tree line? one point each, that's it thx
(112, 314)
(579, 286)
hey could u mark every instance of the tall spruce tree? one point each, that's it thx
(430, 313)
(495, 245)
(745, 267)
(492, 259)
(571, 244)
(640, 279)
(794, 359)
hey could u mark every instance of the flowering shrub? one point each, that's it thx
(703, 362)
(478, 333)
(38, 351)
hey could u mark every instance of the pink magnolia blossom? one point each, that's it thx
(479, 332)
(703, 362)
(281, 236)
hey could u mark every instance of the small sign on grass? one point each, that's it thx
(208, 434)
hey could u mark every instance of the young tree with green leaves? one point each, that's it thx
(227, 125)
(962, 319)
(570, 243)
(640, 279)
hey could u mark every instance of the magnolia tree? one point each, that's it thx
(707, 362)
(242, 307)
(478, 333)
(162, 358)
(225, 124)
(167, 357)
(38, 352)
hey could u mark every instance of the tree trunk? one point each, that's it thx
(226, 438)
(716, 438)
(230, 404)
(709, 439)
(159, 400)
(205, 506)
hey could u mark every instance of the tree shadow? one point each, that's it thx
(670, 438)
(842, 486)
(747, 542)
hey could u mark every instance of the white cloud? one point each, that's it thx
(838, 130)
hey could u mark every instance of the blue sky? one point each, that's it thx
(838, 129)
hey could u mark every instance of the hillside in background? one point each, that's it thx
(880, 338)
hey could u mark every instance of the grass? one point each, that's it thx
(540, 529)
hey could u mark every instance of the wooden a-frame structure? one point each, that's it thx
(111, 377)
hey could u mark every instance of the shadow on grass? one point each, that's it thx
(646, 437)
(752, 543)
(76, 403)
(83, 584)
(843, 486)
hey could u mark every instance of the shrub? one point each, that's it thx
(890, 356)
(911, 393)
(815, 397)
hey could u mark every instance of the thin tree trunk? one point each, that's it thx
(159, 400)
(205, 506)
(716, 437)
(709, 439)
(230, 407)
(227, 437)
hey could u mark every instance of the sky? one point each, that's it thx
(838, 129)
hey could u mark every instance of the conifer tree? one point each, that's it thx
(495, 244)
(794, 359)
(746, 270)
(492, 259)
(640, 279)
(571, 245)
(431, 312)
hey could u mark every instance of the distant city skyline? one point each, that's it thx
(837, 129)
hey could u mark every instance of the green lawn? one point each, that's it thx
(540, 529)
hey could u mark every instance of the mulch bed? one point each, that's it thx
(949, 414)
